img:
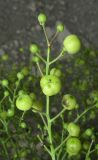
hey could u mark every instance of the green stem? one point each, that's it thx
(48, 58)
(58, 115)
(39, 69)
(61, 144)
(41, 57)
(5, 150)
(83, 113)
(43, 120)
(49, 129)
(46, 35)
(57, 58)
(54, 37)
(88, 153)
(44, 145)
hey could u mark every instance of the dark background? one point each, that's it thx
(19, 26)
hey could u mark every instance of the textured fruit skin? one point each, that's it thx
(51, 85)
(69, 102)
(72, 44)
(24, 102)
(73, 129)
(73, 146)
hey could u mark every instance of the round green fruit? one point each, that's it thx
(60, 27)
(73, 146)
(72, 44)
(69, 102)
(42, 18)
(10, 113)
(4, 82)
(34, 48)
(24, 102)
(51, 85)
(73, 129)
(55, 72)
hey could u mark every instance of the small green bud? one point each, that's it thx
(20, 75)
(4, 83)
(42, 18)
(34, 48)
(60, 27)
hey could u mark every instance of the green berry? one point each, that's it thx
(35, 59)
(5, 57)
(34, 48)
(23, 125)
(4, 83)
(69, 102)
(73, 129)
(60, 27)
(10, 113)
(6, 93)
(72, 44)
(73, 146)
(24, 102)
(25, 71)
(89, 132)
(20, 75)
(86, 145)
(56, 72)
(42, 18)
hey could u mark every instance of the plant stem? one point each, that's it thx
(48, 57)
(49, 129)
(58, 57)
(48, 111)
(61, 144)
(58, 115)
(88, 153)
(5, 150)
(83, 113)
(54, 37)
(41, 57)
(45, 34)
(39, 69)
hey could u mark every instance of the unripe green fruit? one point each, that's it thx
(51, 85)
(55, 72)
(6, 93)
(86, 145)
(42, 18)
(69, 102)
(60, 28)
(89, 132)
(73, 129)
(10, 113)
(23, 125)
(73, 146)
(20, 75)
(4, 82)
(24, 102)
(34, 48)
(72, 44)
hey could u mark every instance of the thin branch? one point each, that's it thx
(61, 144)
(39, 69)
(58, 115)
